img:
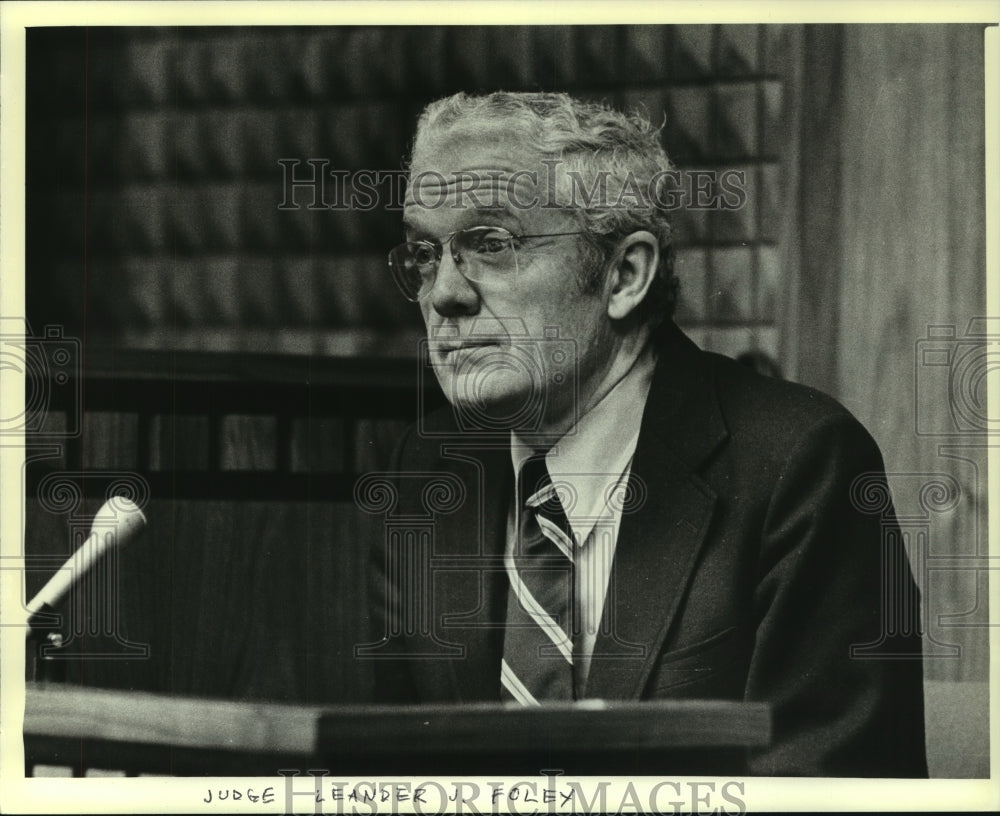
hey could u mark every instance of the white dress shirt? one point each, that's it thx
(592, 461)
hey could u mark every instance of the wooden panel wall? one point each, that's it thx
(230, 599)
(913, 257)
(891, 249)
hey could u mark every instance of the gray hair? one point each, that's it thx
(593, 141)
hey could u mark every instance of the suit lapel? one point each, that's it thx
(661, 536)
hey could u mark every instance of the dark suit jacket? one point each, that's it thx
(744, 569)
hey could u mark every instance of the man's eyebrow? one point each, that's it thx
(502, 212)
(412, 229)
(472, 218)
(493, 209)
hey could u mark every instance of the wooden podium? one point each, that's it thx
(81, 730)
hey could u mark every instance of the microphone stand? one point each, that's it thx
(43, 640)
(117, 522)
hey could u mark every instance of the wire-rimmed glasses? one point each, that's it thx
(480, 254)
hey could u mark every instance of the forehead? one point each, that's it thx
(475, 170)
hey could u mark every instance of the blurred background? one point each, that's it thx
(238, 364)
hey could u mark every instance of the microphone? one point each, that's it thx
(117, 523)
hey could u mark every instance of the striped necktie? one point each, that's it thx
(538, 642)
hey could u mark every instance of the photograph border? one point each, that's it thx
(180, 794)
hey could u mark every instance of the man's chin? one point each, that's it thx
(492, 412)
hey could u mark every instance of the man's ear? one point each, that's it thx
(633, 269)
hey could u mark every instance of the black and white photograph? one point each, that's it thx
(492, 410)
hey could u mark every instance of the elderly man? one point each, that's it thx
(631, 518)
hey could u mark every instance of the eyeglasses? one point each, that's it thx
(479, 253)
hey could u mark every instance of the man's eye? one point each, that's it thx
(422, 254)
(491, 243)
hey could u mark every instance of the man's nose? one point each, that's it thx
(452, 294)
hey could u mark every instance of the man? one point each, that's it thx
(630, 518)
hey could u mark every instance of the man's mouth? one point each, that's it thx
(448, 348)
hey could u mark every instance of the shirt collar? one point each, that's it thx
(593, 458)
